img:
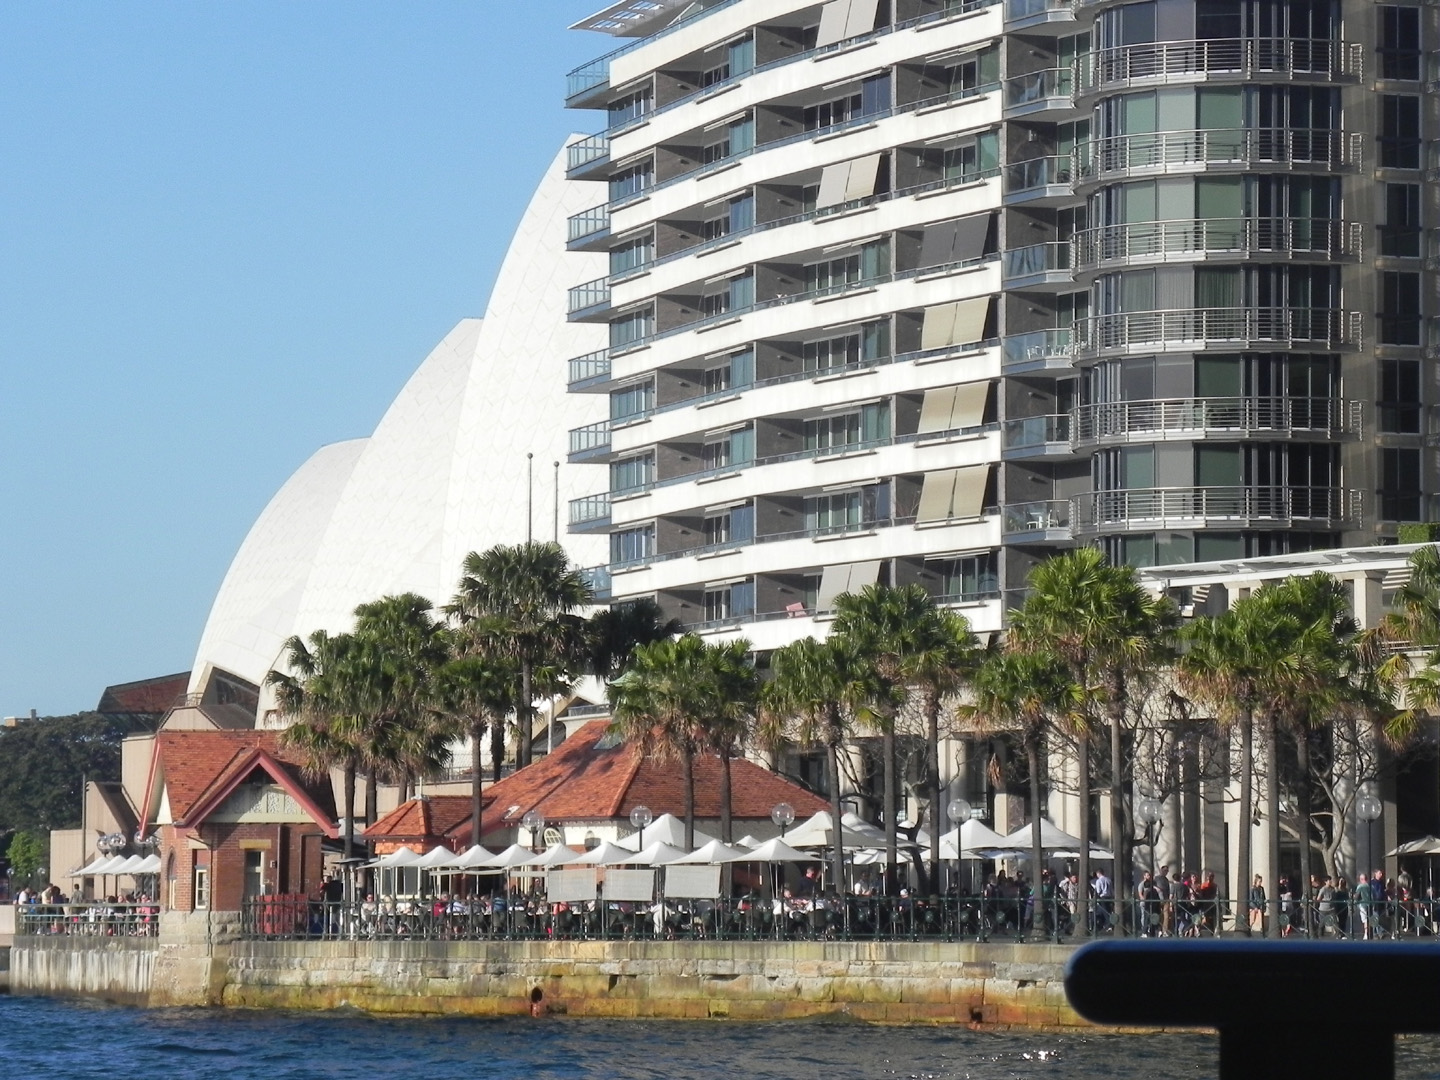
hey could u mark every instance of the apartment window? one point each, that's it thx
(833, 513)
(202, 888)
(717, 379)
(632, 545)
(636, 400)
(632, 180)
(1400, 397)
(973, 159)
(716, 151)
(735, 373)
(718, 74)
(1400, 235)
(832, 353)
(968, 577)
(632, 474)
(829, 113)
(1399, 308)
(715, 228)
(738, 137)
(734, 600)
(870, 262)
(1399, 131)
(631, 255)
(731, 449)
(738, 217)
(733, 525)
(869, 424)
(978, 69)
(632, 328)
(631, 107)
(1399, 29)
(1400, 484)
(714, 304)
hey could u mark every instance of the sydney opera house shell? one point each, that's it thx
(444, 473)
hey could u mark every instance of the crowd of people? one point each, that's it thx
(50, 911)
(1375, 906)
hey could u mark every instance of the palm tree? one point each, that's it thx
(1030, 693)
(727, 714)
(612, 634)
(820, 686)
(318, 695)
(478, 690)
(530, 592)
(1110, 631)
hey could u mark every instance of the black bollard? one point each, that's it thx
(1283, 1008)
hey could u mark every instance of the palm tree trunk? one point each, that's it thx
(725, 829)
(1241, 896)
(1303, 808)
(372, 797)
(1082, 787)
(527, 698)
(497, 748)
(1119, 835)
(349, 784)
(689, 801)
(892, 845)
(832, 761)
(1037, 851)
(937, 812)
(477, 735)
(1272, 828)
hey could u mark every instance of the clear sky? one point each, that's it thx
(228, 234)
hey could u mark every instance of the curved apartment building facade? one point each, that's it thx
(926, 290)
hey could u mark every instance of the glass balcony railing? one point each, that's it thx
(591, 294)
(590, 509)
(1038, 87)
(1035, 259)
(1044, 516)
(588, 223)
(1024, 10)
(1036, 347)
(1024, 177)
(586, 152)
(1241, 237)
(1030, 432)
(590, 438)
(589, 368)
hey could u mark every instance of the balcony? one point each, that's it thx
(1038, 93)
(586, 158)
(1023, 14)
(1191, 329)
(1224, 149)
(590, 513)
(1043, 522)
(1230, 506)
(598, 578)
(588, 370)
(587, 229)
(589, 301)
(589, 441)
(1240, 238)
(1036, 266)
(1168, 62)
(1042, 181)
(1036, 437)
(1188, 419)
(1039, 350)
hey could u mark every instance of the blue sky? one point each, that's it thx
(228, 233)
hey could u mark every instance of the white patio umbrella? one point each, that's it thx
(969, 840)
(402, 856)
(748, 841)
(606, 854)
(475, 858)
(149, 865)
(1426, 845)
(851, 820)
(513, 856)
(819, 832)
(129, 866)
(94, 866)
(436, 858)
(666, 828)
(1053, 839)
(559, 855)
(712, 854)
(658, 854)
(109, 866)
(775, 851)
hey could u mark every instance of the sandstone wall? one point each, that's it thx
(113, 968)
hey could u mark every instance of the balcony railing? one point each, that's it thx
(1241, 237)
(590, 509)
(1029, 432)
(590, 437)
(1022, 177)
(1038, 87)
(1162, 151)
(1164, 508)
(587, 151)
(1034, 260)
(1117, 421)
(595, 74)
(1043, 516)
(1036, 347)
(1326, 328)
(1021, 10)
(589, 368)
(1162, 61)
(591, 294)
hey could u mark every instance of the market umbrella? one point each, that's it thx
(559, 855)
(713, 853)
(606, 854)
(819, 832)
(658, 854)
(129, 866)
(513, 856)
(94, 867)
(748, 841)
(436, 858)
(402, 856)
(1426, 845)
(666, 828)
(149, 865)
(475, 858)
(109, 866)
(775, 851)
(971, 838)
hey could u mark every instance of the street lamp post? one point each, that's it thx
(1147, 810)
(640, 817)
(1368, 809)
(783, 815)
(958, 812)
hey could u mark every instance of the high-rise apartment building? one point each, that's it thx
(926, 290)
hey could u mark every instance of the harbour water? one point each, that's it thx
(42, 1037)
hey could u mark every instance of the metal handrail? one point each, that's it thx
(1164, 150)
(1035, 259)
(585, 151)
(1039, 516)
(1028, 431)
(1242, 237)
(1015, 10)
(589, 437)
(1037, 86)
(1243, 57)
(827, 532)
(85, 919)
(588, 222)
(590, 508)
(596, 73)
(1331, 417)
(1123, 329)
(1167, 507)
(595, 365)
(1021, 176)
(1036, 345)
(590, 294)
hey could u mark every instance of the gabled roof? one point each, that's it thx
(593, 777)
(144, 696)
(200, 768)
(429, 818)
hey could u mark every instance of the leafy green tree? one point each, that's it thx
(529, 593)
(27, 854)
(613, 633)
(478, 689)
(726, 717)
(44, 764)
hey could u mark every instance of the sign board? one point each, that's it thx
(692, 882)
(570, 886)
(632, 885)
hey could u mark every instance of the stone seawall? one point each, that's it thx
(931, 983)
(118, 969)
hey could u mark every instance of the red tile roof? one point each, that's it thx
(144, 695)
(591, 778)
(426, 819)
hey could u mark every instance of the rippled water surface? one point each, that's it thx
(67, 1039)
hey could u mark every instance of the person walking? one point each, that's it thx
(1257, 906)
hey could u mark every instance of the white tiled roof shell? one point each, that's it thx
(445, 471)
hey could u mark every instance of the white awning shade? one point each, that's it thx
(692, 882)
(950, 408)
(959, 323)
(955, 241)
(847, 181)
(845, 578)
(844, 19)
(953, 493)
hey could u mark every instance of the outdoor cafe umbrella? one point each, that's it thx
(558, 855)
(658, 854)
(667, 828)
(712, 854)
(747, 841)
(1426, 845)
(149, 865)
(109, 866)
(513, 856)
(1055, 840)
(436, 859)
(96, 866)
(476, 858)
(606, 854)
(129, 866)
(819, 832)
(400, 857)
(774, 851)
(969, 840)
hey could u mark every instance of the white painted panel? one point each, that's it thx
(692, 882)
(570, 886)
(632, 885)
(834, 19)
(936, 496)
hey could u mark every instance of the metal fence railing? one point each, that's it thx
(87, 920)
(854, 918)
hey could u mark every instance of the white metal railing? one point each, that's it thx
(1242, 57)
(1167, 507)
(1046, 515)
(1332, 417)
(1163, 150)
(590, 437)
(1236, 236)
(1329, 328)
(1035, 87)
